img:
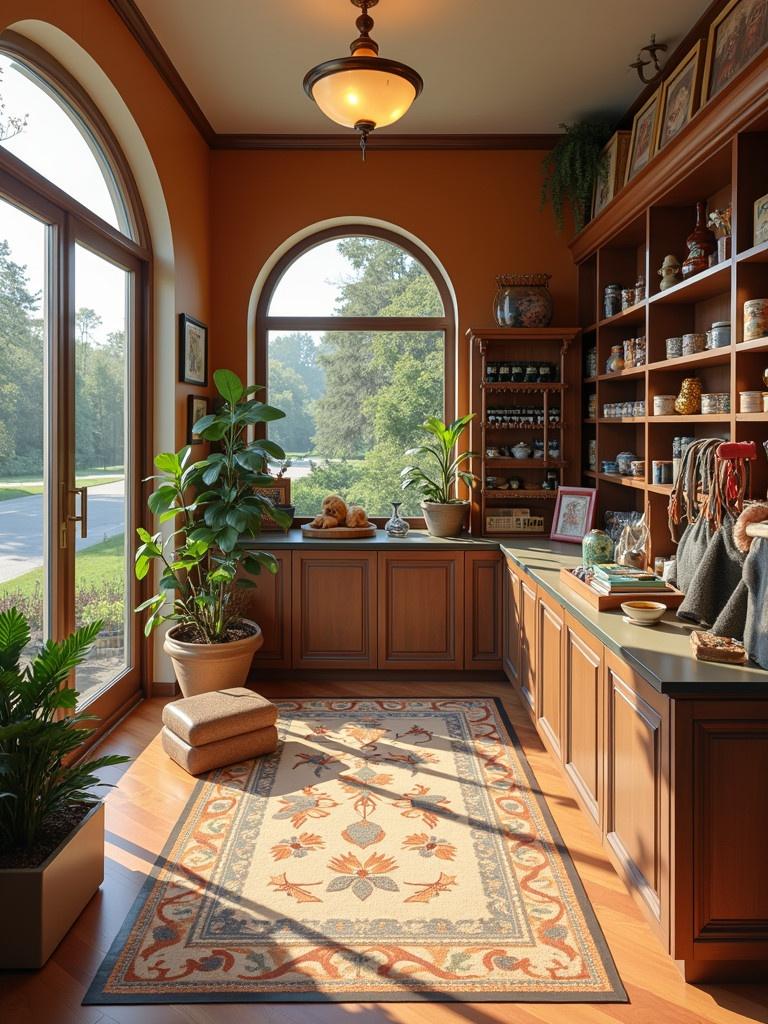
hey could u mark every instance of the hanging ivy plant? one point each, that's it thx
(572, 168)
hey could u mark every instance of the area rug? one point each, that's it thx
(389, 850)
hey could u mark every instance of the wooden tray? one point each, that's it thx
(338, 532)
(604, 602)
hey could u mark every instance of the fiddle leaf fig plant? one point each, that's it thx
(572, 168)
(437, 482)
(215, 507)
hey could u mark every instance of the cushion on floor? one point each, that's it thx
(221, 752)
(218, 715)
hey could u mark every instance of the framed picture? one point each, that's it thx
(614, 163)
(641, 146)
(736, 36)
(278, 493)
(679, 97)
(761, 220)
(197, 407)
(193, 351)
(574, 514)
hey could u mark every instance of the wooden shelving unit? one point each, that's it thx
(554, 345)
(649, 218)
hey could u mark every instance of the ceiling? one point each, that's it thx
(489, 66)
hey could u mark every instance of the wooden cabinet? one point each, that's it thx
(528, 643)
(482, 607)
(334, 609)
(583, 716)
(269, 604)
(421, 610)
(510, 614)
(637, 819)
(550, 631)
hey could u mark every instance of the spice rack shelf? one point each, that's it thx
(523, 348)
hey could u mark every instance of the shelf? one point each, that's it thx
(590, 329)
(622, 419)
(623, 481)
(710, 357)
(665, 489)
(526, 426)
(589, 423)
(756, 254)
(635, 371)
(633, 315)
(590, 380)
(704, 285)
(755, 345)
(591, 474)
(534, 495)
(699, 417)
(752, 417)
(535, 388)
(504, 462)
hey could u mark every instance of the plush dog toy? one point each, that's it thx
(334, 513)
(357, 516)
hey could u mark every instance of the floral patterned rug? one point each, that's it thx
(389, 850)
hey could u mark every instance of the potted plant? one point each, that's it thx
(572, 168)
(51, 823)
(216, 510)
(445, 515)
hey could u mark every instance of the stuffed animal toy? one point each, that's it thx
(334, 513)
(357, 516)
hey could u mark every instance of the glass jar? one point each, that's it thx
(612, 300)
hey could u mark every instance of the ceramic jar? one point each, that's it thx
(663, 405)
(637, 468)
(612, 300)
(592, 454)
(627, 298)
(750, 401)
(674, 347)
(522, 450)
(719, 334)
(755, 319)
(615, 361)
(624, 461)
(694, 343)
(669, 272)
(688, 402)
(661, 470)
(596, 547)
(716, 402)
(701, 244)
(523, 300)
(609, 466)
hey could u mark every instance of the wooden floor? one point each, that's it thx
(147, 802)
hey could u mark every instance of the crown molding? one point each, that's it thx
(383, 141)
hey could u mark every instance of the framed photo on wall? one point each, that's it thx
(736, 36)
(613, 161)
(643, 141)
(574, 514)
(679, 97)
(197, 407)
(193, 351)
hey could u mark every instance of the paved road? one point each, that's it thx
(21, 527)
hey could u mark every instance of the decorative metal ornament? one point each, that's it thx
(652, 49)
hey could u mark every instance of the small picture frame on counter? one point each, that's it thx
(574, 514)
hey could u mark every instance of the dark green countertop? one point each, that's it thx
(416, 540)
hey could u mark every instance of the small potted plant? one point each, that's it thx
(217, 509)
(445, 514)
(51, 823)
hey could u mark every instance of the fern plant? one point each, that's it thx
(36, 734)
(572, 168)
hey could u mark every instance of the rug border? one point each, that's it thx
(95, 995)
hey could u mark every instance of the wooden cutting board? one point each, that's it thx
(338, 532)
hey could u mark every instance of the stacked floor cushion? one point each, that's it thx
(219, 728)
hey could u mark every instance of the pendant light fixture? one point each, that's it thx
(363, 91)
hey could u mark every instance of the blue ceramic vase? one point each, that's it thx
(596, 547)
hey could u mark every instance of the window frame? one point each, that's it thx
(446, 323)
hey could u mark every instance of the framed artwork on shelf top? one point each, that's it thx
(197, 407)
(574, 514)
(643, 141)
(193, 351)
(279, 493)
(613, 161)
(679, 97)
(737, 35)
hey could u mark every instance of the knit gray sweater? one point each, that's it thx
(756, 579)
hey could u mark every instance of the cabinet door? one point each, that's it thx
(334, 609)
(583, 710)
(269, 604)
(637, 786)
(550, 631)
(510, 612)
(482, 605)
(421, 611)
(528, 643)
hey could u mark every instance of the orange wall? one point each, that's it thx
(477, 211)
(180, 155)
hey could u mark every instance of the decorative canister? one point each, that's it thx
(612, 299)
(491, 452)
(688, 402)
(615, 361)
(516, 373)
(765, 401)
(609, 466)
(661, 470)
(596, 547)
(592, 406)
(522, 450)
(719, 335)
(750, 401)
(755, 319)
(694, 343)
(523, 300)
(716, 402)
(664, 405)
(629, 353)
(637, 468)
(396, 526)
(701, 244)
(627, 297)
(640, 351)
(624, 461)
(638, 407)
(592, 454)
(674, 347)
(591, 362)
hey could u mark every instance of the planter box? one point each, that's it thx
(41, 904)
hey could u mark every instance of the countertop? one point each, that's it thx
(416, 540)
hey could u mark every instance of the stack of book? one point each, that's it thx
(612, 578)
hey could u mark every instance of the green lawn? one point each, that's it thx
(97, 566)
(9, 493)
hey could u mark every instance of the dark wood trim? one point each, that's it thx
(383, 141)
(141, 31)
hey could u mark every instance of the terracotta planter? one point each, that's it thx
(201, 668)
(41, 904)
(445, 520)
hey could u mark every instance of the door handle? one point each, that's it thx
(83, 517)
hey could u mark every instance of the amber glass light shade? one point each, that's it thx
(348, 97)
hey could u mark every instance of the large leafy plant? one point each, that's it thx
(437, 482)
(215, 507)
(37, 734)
(572, 168)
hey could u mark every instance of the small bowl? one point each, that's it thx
(644, 613)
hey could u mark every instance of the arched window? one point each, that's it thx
(73, 267)
(355, 343)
